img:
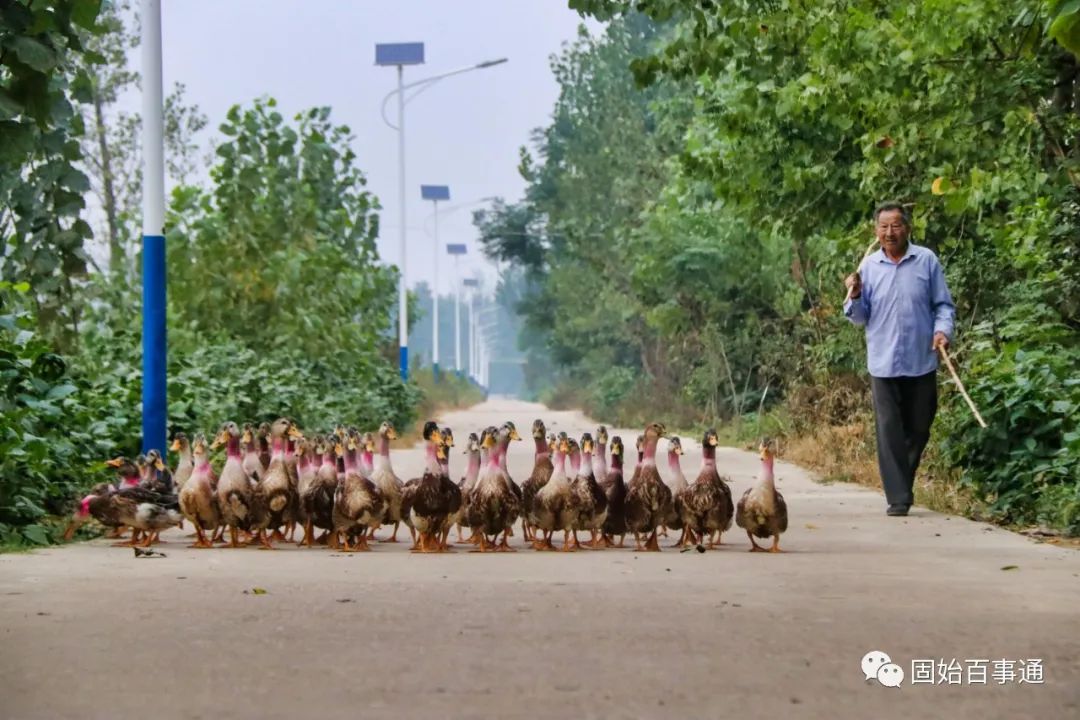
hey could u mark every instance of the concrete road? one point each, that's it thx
(90, 632)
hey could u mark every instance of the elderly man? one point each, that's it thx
(899, 295)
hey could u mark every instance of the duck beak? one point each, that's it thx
(392, 434)
(514, 434)
(175, 447)
(712, 441)
(115, 462)
(294, 432)
(159, 465)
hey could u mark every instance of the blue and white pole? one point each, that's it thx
(154, 403)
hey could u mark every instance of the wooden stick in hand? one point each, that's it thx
(970, 402)
(869, 250)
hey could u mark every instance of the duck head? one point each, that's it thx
(386, 430)
(602, 435)
(511, 431)
(538, 429)
(154, 461)
(228, 434)
(431, 432)
(587, 443)
(180, 443)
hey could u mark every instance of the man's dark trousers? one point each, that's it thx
(904, 409)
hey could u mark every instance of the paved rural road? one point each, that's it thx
(90, 632)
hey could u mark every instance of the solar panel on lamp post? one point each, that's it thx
(435, 193)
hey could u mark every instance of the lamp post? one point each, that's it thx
(435, 193)
(154, 400)
(475, 285)
(457, 250)
(399, 55)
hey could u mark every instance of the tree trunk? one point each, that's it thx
(117, 254)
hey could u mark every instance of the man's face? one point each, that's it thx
(892, 233)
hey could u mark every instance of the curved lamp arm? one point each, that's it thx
(425, 83)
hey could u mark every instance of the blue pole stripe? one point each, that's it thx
(403, 361)
(155, 409)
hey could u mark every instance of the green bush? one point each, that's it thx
(1025, 378)
(48, 435)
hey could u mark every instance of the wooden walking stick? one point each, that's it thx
(869, 250)
(970, 402)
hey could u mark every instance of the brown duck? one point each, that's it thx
(762, 511)
(708, 501)
(648, 498)
(615, 490)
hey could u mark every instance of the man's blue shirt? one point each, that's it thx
(902, 305)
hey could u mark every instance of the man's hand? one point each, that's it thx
(940, 341)
(854, 285)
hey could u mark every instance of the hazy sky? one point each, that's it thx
(463, 132)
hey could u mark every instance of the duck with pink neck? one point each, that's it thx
(358, 504)
(274, 492)
(185, 463)
(467, 483)
(762, 511)
(197, 501)
(615, 491)
(551, 507)
(541, 473)
(384, 477)
(249, 448)
(599, 460)
(492, 505)
(428, 504)
(317, 499)
(235, 491)
(648, 498)
(589, 497)
(677, 517)
(708, 502)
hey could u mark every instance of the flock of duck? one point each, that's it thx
(276, 481)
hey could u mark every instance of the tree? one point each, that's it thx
(113, 146)
(41, 187)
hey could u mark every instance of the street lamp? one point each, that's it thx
(399, 55)
(457, 250)
(475, 284)
(435, 193)
(154, 400)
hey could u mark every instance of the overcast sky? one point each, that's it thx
(463, 132)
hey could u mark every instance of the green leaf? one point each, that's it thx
(34, 53)
(1065, 27)
(36, 534)
(61, 391)
(84, 13)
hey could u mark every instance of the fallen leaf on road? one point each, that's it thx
(811, 526)
(1010, 567)
(342, 600)
(255, 591)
